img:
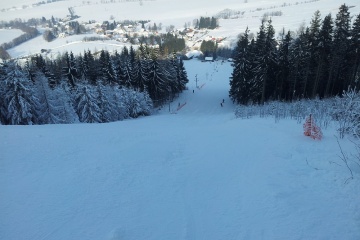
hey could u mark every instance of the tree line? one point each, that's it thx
(206, 22)
(90, 87)
(321, 61)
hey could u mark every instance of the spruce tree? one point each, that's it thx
(90, 67)
(139, 74)
(324, 48)
(106, 68)
(69, 70)
(265, 62)
(18, 98)
(183, 78)
(354, 57)
(241, 88)
(313, 42)
(86, 104)
(49, 109)
(339, 66)
(282, 83)
(105, 103)
(156, 84)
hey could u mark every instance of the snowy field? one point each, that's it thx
(60, 45)
(7, 35)
(173, 12)
(199, 173)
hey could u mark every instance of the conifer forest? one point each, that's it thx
(92, 87)
(322, 61)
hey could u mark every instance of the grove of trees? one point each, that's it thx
(88, 88)
(322, 61)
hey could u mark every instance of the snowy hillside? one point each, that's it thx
(196, 173)
(192, 170)
(291, 15)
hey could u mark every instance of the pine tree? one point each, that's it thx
(313, 41)
(241, 88)
(126, 78)
(69, 70)
(39, 62)
(139, 71)
(323, 58)
(306, 64)
(265, 62)
(90, 67)
(67, 109)
(106, 68)
(18, 100)
(298, 58)
(81, 68)
(105, 103)
(354, 57)
(183, 78)
(339, 66)
(156, 84)
(2, 92)
(86, 105)
(49, 108)
(171, 73)
(134, 103)
(29, 71)
(124, 53)
(284, 66)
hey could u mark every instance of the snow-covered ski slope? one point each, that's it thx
(197, 174)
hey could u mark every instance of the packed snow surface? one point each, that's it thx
(196, 173)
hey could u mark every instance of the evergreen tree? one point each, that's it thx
(313, 47)
(156, 83)
(39, 62)
(241, 89)
(106, 68)
(282, 83)
(81, 68)
(67, 109)
(172, 75)
(298, 58)
(183, 75)
(90, 67)
(69, 70)
(86, 105)
(29, 71)
(307, 61)
(213, 23)
(124, 54)
(18, 100)
(118, 70)
(49, 109)
(354, 57)
(324, 48)
(265, 62)
(339, 66)
(139, 71)
(126, 77)
(135, 103)
(105, 103)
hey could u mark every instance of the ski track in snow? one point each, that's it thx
(195, 175)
